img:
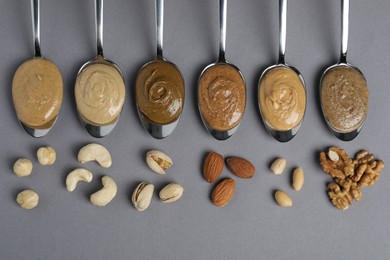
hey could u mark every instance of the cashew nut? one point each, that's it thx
(27, 199)
(77, 175)
(95, 152)
(46, 155)
(106, 194)
(23, 167)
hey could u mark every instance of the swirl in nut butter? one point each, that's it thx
(282, 98)
(344, 98)
(160, 92)
(222, 97)
(37, 92)
(100, 93)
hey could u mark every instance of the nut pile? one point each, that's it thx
(349, 175)
(142, 196)
(298, 178)
(23, 167)
(212, 168)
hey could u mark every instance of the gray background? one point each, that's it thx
(66, 226)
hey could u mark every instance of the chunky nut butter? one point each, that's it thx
(37, 92)
(282, 98)
(221, 97)
(160, 92)
(99, 93)
(344, 98)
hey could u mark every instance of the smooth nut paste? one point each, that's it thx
(100, 93)
(344, 98)
(37, 92)
(282, 98)
(160, 92)
(222, 97)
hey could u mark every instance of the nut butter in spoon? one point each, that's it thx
(100, 88)
(159, 89)
(282, 93)
(37, 87)
(221, 90)
(344, 91)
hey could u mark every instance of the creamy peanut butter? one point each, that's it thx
(160, 92)
(37, 92)
(100, 93)
(222, 97)
(282, 98)
(344, 98)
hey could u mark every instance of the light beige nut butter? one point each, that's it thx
(344, 98)
(160, 92)
(99, 93)
(282, 98)
(37, 92)
(222, 97)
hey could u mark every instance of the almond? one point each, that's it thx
(223, 192)
(241, 167)
(212, 167)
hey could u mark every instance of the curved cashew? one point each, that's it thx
(106, 194)
(46, 155)
(95, 152)
(77, 175)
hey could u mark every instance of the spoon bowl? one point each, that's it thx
(344, 91)
(281, 135)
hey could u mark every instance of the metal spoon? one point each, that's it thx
(39, 131)
(222, 134)
(357, 98)
(163, 84)
(94, 129)
(282, 135)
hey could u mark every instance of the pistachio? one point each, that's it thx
(170, 193)
(158, 161)
(142, 196)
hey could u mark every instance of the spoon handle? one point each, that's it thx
(282, 30)
(159, 27)
(99, 26)
(222, 29)
(344, 30)
(36, 24)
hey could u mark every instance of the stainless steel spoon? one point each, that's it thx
(164, 84)
(38, 131)
(93, 129)
(281, 135)
(221, 134)
(357, 98)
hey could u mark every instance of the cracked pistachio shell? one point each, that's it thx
(158, 161)
(142, 196)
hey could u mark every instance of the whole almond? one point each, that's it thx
(223, 192)
(283, 199)
(241, 167)
(298, 179)
(212, 167)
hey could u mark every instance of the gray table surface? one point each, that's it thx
(66, 226)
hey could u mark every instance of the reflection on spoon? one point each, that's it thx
(37, 87)
(344, 91)
(159, 89)
(221, 90)
(100, 88)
